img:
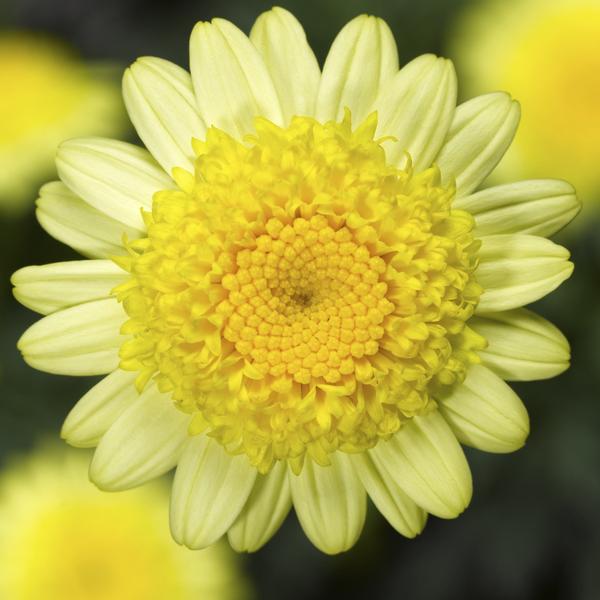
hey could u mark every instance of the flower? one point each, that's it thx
(49, 96)
(546, 52)
(62, 538)
(314, 306)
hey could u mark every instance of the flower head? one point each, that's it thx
(62, 538)
(546, 52)
(306, 301)
(49, 95)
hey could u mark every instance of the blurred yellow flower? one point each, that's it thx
(547, 52)
(47, 95)
(62, 539)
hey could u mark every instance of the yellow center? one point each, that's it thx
(298, 294)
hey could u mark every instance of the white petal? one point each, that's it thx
(144, 442)
(74, 222)
(52, 287)
(400, 511)
(231, 83)
(266, 508)
(81, 340)
(537, 207)
(209, 491)
(99, 408)
(522, 346)
(416, 107)
(429, 465)
(295, 72)
(362, 59)
(485, 413)
(116, 178)
(330, 503)
(515, 270)
(481, 132)
(160, 101)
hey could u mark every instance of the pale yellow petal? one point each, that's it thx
(485, 413)
(330, 503)
(295, 72)
(145, 442)
(264, 512)
(209, 491)
(522, 346)
(536, 207)
(361, 61)
(56, 286)
(516, 270)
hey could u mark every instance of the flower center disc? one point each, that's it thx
(298, 295)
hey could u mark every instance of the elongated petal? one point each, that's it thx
(295, 72)
(481, 132)
(74, 222)
(522, 346)
(485, 413)
(209, 492)
(400, 511)
(99, 408)
(429, 465)
(145, 441)
(231, 83)
(266, 508)
(160, 101)
(330, 503)
(518, 269)
(81, 340)
(537, 207)
(52, 287)
(363, 57)
(416, 107)
(116, 178)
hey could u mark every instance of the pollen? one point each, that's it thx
(298, 295)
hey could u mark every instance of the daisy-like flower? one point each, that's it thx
(297, 295)
(48, 95)
(547, 53)
(62, 539)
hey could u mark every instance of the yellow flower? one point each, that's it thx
(62, 539)
(297, 294)
(48, 95)
(547, 53)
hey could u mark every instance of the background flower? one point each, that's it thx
(62, 539)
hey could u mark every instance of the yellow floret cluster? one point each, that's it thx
(299, 295)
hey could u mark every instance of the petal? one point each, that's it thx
(537, 207)
(295, 72)
(81, 340)
(266, 508)
(522, 346)
(399, 510)
(52, 287)
(485, 413)
(515, 270)
(74, 222)
(99, 408)
(145, 442)
(330, 503)
(416, 108)
(160, 101)
(209, 491)
(116, 178)
(231, 82)
(363, 57)
(429, 465)
(481, 132)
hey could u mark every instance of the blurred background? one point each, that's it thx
(533, 528)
